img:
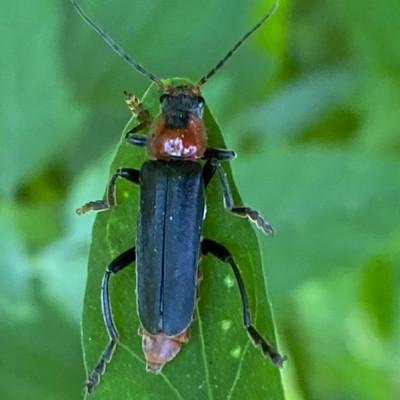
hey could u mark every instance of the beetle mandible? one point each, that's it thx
(172, 208)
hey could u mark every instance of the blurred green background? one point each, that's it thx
(311, 106)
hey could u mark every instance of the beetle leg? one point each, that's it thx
(143, 116)
(136, 140)
(129, 174)
(211, 166)
(219, 251)
(219, 154)
(116, 265)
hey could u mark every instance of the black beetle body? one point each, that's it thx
(168, 244)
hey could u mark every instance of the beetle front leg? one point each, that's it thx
(143, 116)
(116, 265)
(219, 251)
(212, 166)
(131, 175)
(136, 140)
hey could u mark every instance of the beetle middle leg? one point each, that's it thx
(132, 175)
(115, 266)
(219, 251)
(211, 166)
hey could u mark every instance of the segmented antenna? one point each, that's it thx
(116, 48)
(203, 80)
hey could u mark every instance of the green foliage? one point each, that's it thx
(39, 360)
(310, 105)
(219, 361)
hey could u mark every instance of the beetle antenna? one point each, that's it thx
(203, 80)
(117, 48)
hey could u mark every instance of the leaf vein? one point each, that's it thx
(203, 348)
(239, 370)
(167, 381)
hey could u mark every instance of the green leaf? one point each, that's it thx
(308, 98)
(378, 295)
(35, 96)
(219, 362)
(40, 357)
(333, 208)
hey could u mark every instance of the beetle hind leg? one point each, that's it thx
(116, 265)
(219, 251)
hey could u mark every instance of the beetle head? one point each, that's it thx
(179, 103)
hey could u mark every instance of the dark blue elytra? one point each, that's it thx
(168, 244)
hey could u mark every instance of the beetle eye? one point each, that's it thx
(200, 100)
(163, 97)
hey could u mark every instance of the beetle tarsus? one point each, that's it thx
(143, 116)
(267, 350)
(94, 377)
(254, 216)
(132, 101)
(210, 168)
(129, 174)
(98, 205)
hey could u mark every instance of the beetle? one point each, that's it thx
(169, 242)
